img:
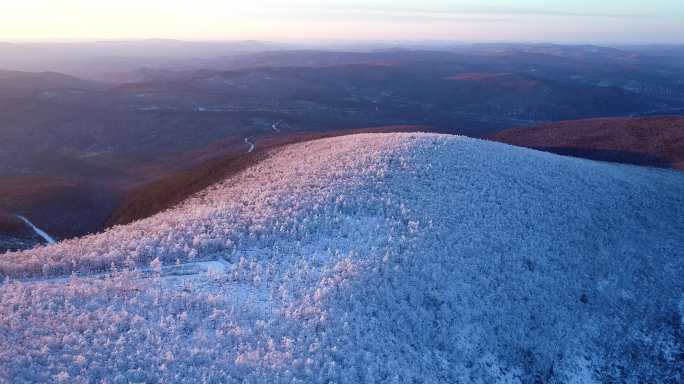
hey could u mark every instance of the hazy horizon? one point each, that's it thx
(607, 22)
(334, 42)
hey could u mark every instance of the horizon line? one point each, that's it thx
(219, 40)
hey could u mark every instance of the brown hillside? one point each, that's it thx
(651, 141)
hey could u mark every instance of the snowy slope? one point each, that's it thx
(369, 258)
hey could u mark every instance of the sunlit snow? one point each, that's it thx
(369, 258)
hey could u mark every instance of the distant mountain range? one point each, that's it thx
(132, 113)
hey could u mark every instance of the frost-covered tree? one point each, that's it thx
(371, 258)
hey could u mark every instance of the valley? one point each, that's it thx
(73, 147)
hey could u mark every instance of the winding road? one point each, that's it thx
(38, 231)
(251, 144)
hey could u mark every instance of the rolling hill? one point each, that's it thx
(143, 111)
(652, 141)
(16, 84)
(97, 194)
(369, 258)
(170, 190)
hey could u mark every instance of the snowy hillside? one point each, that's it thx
(369, 258)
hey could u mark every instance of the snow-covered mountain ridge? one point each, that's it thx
(369, 258)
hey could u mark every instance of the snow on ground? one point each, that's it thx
(369, 258)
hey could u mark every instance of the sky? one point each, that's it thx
(591, 21)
